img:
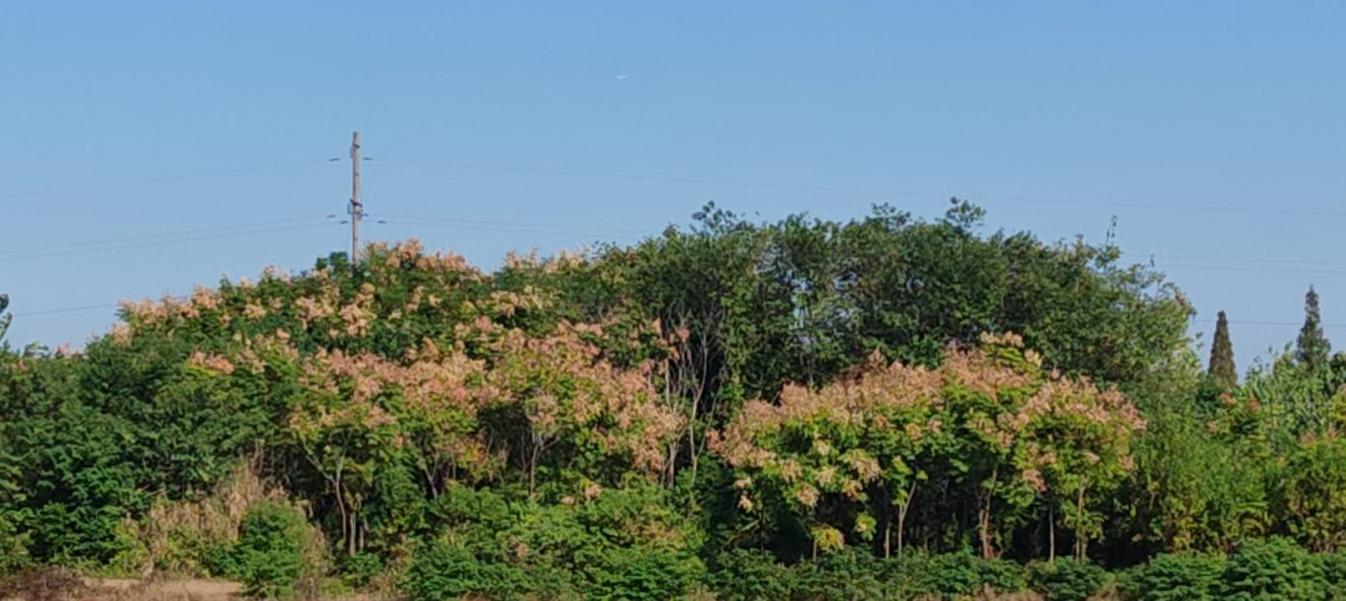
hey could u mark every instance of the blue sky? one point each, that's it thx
(1127, 109)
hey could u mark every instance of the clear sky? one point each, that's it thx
(1141, 110)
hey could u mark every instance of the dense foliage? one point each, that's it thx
(878, 409)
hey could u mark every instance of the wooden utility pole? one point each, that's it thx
(356, 208)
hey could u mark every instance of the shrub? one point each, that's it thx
(846, 575)
(1180, 577)
(750, 575)
(220, 561)
(639, 573)
(617, 544)
(13, 548)
(196, 537)
(951, 575)
(1066, 579)
(1334, 571)
(271, 550)
(1274, 569)
(359, 570)
(446, 571)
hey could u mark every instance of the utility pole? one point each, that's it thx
(356, 208)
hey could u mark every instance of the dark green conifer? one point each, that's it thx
(4, 317)
(1312, 348)
(1222, 355)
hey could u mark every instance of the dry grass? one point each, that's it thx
(44, 584)
(65, 585)
(172, 590)
(991, 596)
(169, 530)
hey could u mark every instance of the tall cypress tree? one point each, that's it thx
(1312, 347)
(4, 318)
(1222, 355)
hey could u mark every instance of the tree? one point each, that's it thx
(990, 428)
(1312, 494)
(1312, 348)
(4, 317)
(1222, 355)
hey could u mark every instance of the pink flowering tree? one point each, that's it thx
(849, 459)
(844, 458)
(566, 409)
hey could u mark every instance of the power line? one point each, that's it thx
(860, 191)
(113, 241)
(655, 178)
(499, 225)
(485, 223)
(503, 227)
(178, 240)
(159, 180)
(1255, 322)
(1288, 261)
(65, 310)
(1181, 267)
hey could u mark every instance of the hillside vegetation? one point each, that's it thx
(884, 408)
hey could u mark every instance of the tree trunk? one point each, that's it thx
(887, 539)
(1051, 532)
(691, 434)
(352, 536)
(1081, 536)
(902, 517)
(532, 467)
(341, 505)
(984, 517)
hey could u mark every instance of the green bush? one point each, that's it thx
(358, 570)
(446, 571)
(221, 561)
(1274, 569)
(270, 553)
(846, 575)
(750, 575)
(13, 548)
(951, 575)
(639, 573)
(1181, 577)
(1066, 579)
(1334, 571)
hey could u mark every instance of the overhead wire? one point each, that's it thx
(162, 242)
(1157, 260)
(158, 180)
(498, 225)
(1276, 260)
(1257, 322)
(858, 190)
(1241, 268)
(64, 310)
(128, 239)
(297, 223)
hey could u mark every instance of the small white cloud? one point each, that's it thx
(623, 77)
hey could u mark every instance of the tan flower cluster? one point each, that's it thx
(582, 392)
(214, 363)
(862, 402)
(998, 394)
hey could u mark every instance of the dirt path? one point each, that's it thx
(169, 590)
(115, 589)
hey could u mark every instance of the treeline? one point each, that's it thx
(882, 408)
